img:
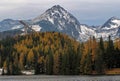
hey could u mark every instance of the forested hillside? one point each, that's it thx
(56, 53)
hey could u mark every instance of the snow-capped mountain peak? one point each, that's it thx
(110, 28)
(55, 12)
(9, 24)
(57, 15)
(112, 23)
(58, 19)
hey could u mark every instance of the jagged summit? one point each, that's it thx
(7, 20)
(58, 19)
(110, 28)
(113, 22)
(56, 13)
(8, 24)
(57, 7)
(114, 18)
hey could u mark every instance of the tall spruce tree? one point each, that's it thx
(88, 64)
(109, 53)
(49, 63)
(99, 61)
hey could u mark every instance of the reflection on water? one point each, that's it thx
(59, 78)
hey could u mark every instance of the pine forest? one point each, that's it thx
(53, 53)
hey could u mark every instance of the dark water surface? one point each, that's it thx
(59, 78)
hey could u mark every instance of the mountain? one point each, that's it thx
(118, 32)
(109, 28)
(60, 20)
(9, 24)
(86, 32)
(112, 23)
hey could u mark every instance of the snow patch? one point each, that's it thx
(116, 21)
(36, 27)
(16, 27)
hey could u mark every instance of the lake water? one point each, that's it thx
(59, 78)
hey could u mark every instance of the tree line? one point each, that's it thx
(55, 53)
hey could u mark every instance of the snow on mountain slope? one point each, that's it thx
(16, 27)
(58, 16)
(106, 33)
(9, 24)
(110, 28)
(86, 32)
(112, 23)
(36, 27)
(58, 19)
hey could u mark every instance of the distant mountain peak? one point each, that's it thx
(57, 10)
(8, 20)
(114, 18)
(113, 22)
(56, 13)
(59, 19)
(57, 7)
(58, 16)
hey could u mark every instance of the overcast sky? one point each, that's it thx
(91, 12)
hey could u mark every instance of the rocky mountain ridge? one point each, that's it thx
(60, 20)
